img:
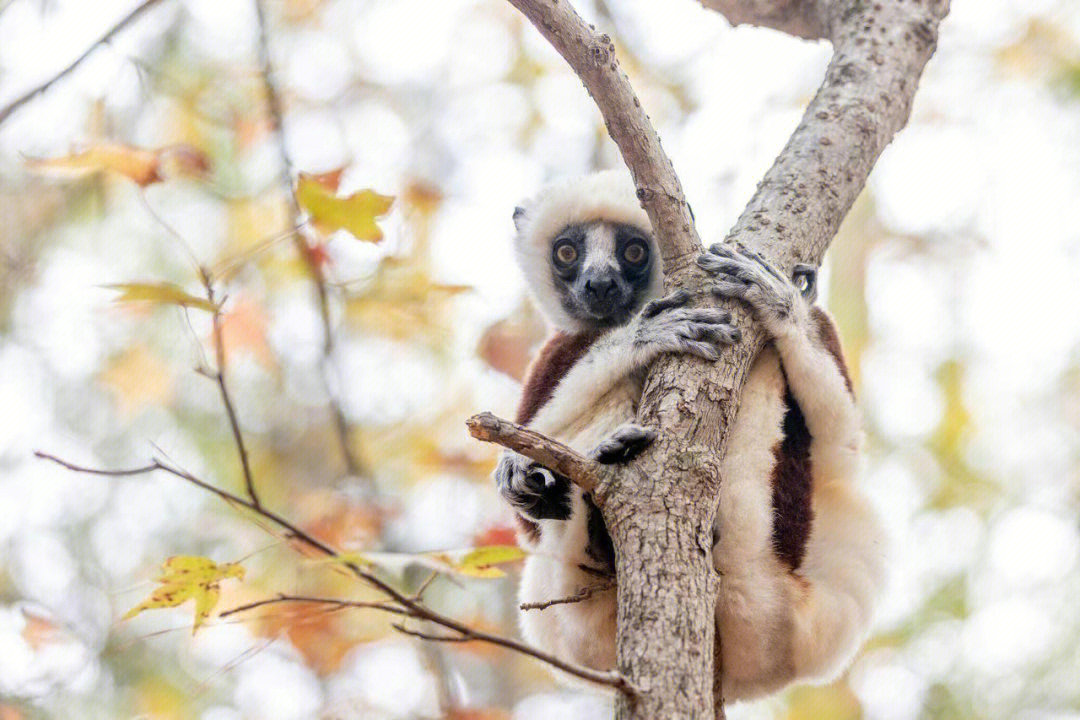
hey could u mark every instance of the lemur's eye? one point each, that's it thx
(565, 253)
(635, 253)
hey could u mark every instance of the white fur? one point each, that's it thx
(607, 196)
(777, 626)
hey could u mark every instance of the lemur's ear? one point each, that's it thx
(519, 218)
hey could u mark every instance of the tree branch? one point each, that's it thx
(29, 95)
(801, 18)
(219, 378)
(583, 594)
(551, 454)
(661, 504)
(592, 56)
(398, 603)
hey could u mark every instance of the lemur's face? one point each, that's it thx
(601, 271)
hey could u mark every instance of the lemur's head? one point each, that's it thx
(586, 248)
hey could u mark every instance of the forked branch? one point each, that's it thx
(550, 453)
(396, 602)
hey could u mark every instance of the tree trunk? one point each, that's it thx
(659, 509)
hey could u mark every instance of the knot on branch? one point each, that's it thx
(602, 51)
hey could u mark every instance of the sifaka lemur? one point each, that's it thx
(798, 548)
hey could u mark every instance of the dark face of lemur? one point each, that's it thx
(601, 271)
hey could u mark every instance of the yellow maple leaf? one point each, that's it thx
(356, 213)
(161, 292)
(189, 577)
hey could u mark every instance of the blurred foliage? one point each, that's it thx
(169, 169)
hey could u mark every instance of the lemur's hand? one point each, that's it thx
(623, 445)
(665, 326)
(743, 274)
(532, 488)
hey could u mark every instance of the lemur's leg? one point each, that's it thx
(802, 335)
(623, 445)
(662, 326)
(834, 589)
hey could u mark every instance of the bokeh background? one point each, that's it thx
(954, 282)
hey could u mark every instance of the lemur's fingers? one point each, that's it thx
(541, 476)
(675, 299)
(731, 289)
(626, 443)
(721, 334)
(533, 489)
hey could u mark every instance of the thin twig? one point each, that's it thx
(405, 605)
(419, 594)
(583, 594)
(353, 465)
(226, 399)
(109, 35)
(428, 636)
(333, 602)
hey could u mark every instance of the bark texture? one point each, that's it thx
(659, 509)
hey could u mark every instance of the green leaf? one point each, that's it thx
(356, 213)
(162, 293)
(188, 577)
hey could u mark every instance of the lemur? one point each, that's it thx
(799, 550)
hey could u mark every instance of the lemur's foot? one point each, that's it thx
(623, 445)
(533, 489)
(744, 275)
(668, 327)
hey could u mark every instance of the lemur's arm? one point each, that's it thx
(806, 340)
(561, 389)
(663, 326)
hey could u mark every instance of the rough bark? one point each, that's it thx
(659, 508)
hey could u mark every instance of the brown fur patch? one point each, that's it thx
(830, 339)
(792, 485)
(527, 529)
(561, 351)
(792, 478)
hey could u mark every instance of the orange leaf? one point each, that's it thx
(140, 165)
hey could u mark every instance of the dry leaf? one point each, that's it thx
(187, 577)
(144, 167)
(162, 293)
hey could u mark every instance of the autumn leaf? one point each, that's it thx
(139, 378)
(143, 166)
(356, 213)
(479, 562)
(497, 535)
(244, 328)
(187, 577)
(163, 293)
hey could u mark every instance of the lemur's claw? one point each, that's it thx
(673, 300)
(623, 445)
(742, 274)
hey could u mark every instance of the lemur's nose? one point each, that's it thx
(600, 288)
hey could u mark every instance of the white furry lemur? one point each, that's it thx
(798, 548)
